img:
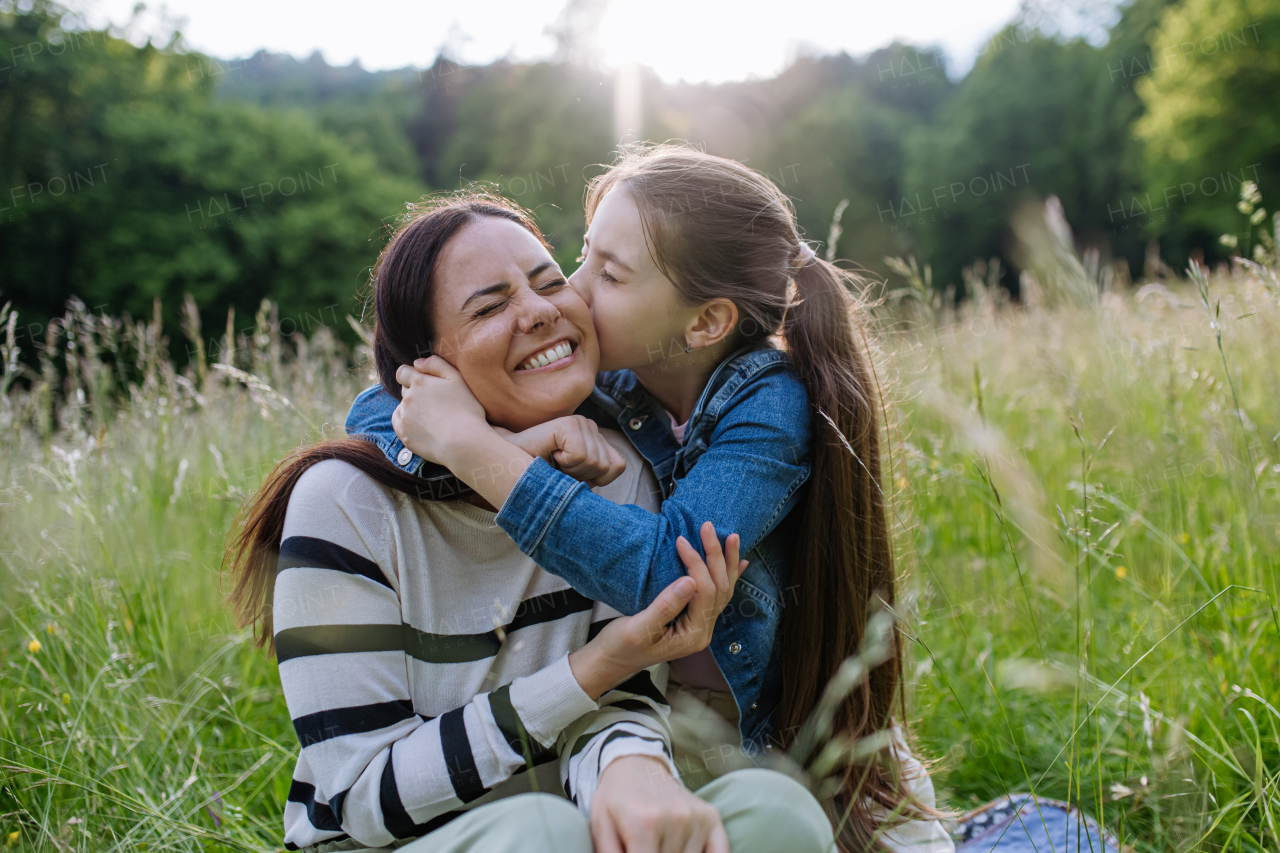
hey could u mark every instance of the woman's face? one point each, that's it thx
(637, 310)
(507, 320)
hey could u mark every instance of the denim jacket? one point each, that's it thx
(750, 429)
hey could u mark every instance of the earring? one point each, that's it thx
(687, 348)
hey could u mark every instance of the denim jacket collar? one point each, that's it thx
(620, 399)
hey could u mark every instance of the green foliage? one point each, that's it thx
(372, 112)
(181, 149)
(1096, 535)
(134, 715)
(1211, 120)
(845, 144)
(1035, 116)
(127, 181)
(537, 132)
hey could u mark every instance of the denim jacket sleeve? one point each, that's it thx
(745, 482)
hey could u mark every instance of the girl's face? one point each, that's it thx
(507, 320)
(637, 311)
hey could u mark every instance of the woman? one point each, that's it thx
(427, 662)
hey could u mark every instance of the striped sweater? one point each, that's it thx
(424, 660)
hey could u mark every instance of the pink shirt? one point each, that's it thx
(677, 429)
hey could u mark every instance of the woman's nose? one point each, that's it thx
(536, 311)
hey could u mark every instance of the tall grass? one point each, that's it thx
(1092, 490)
(133, 716)
(1086, 489)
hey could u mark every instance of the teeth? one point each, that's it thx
(561, 350)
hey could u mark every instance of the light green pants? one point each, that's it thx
(763, 811)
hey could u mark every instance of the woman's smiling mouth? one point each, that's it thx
(552, 358)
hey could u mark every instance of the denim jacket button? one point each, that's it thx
(753, 705)
(735, 647)
(635, 423)
(404, 457)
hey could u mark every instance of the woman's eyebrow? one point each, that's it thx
(539, 269)
(506, 285)
(485, 291)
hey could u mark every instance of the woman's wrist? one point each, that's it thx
(651, 764)
(594, 672)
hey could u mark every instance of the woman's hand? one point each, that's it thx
(437, 409)
(660, 633)
(639, 807)
(575, 445)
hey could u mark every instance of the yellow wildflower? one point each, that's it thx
(1120, 573)
(34, 646)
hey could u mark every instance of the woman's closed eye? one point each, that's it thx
(488, 310)
(494, 307)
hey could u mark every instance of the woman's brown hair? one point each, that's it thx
(718, 229)
(403, 280)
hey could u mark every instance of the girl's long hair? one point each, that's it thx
(403, 280)
(717, 229)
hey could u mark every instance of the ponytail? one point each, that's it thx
(843, 557)
(720, 230)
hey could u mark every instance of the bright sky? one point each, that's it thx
(694, 40)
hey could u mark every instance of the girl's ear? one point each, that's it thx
(714, 323)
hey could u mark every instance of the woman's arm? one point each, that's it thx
(378, 770)
(385, 771)
(746, 481)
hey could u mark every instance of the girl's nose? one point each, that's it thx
(578, 281)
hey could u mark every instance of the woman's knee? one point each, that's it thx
(768, 810)
(546, 822)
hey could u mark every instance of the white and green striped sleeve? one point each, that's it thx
(633, 719)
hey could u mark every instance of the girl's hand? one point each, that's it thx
(574, 444)
(639, 807)
(660, 632)
(437, 409)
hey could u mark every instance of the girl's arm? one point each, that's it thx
(746, 481)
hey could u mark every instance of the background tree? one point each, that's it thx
(125, 179)
(1220, 65)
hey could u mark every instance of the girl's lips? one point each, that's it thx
(559, 364)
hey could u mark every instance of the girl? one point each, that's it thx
(428, 664)
(732, 364)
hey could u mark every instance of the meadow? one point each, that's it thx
(1086, 492)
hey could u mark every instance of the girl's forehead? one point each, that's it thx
(616, 231)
